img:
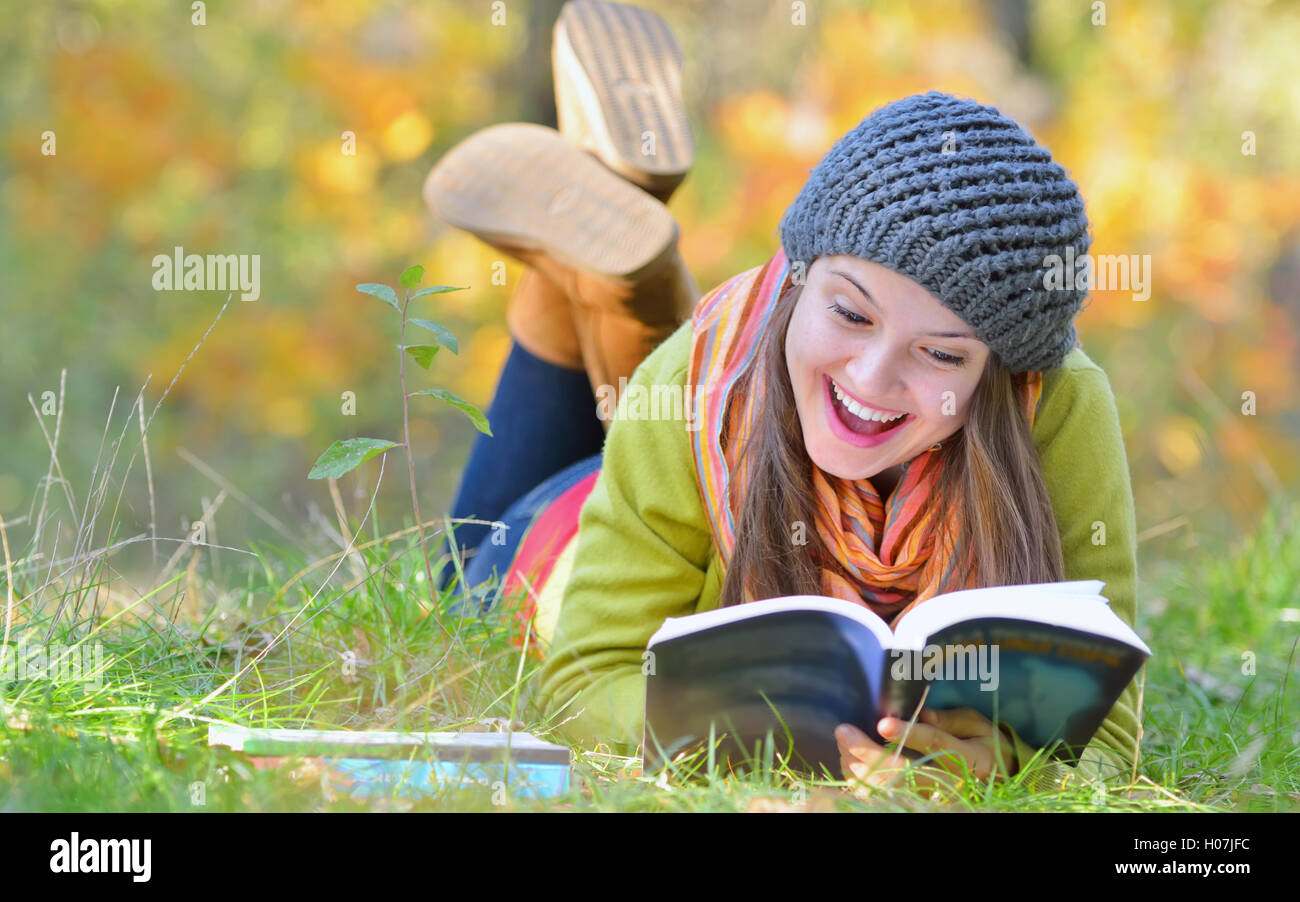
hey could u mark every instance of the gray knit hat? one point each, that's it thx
(963, 201)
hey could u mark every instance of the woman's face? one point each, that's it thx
(890, 346)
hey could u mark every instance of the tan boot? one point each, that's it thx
(618, 92)
(610, 247)
(620, 321)
(540, 317)
(608, 328)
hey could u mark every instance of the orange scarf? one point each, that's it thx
(886, 548)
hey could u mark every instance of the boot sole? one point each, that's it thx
(522, 186)
(618, 78)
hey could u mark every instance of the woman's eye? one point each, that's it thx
(851, 317)
(947, 358)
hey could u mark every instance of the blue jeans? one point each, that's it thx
(544, 425)
(492, 560)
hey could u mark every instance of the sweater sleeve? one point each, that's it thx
(642, 554)
(1085, 469)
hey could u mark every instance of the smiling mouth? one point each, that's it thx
(860, 426)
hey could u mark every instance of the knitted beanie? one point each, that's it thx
(963, 201)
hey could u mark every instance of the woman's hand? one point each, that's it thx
(952, 737)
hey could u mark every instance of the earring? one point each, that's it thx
(935, 447)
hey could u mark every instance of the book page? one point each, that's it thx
(682, 626)
(1075, 605)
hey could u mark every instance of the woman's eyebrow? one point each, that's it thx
(866, 294)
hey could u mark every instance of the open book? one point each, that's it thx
(1049, 659)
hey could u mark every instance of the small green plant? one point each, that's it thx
(345, 455)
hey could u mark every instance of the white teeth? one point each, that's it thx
(865, 413)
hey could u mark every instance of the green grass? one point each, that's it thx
(1222, 717)
(325, 640)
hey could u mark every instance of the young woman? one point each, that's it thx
(896, 386)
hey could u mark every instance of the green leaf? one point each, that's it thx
(346, 455)
(438, 289)
(445, 338)
(423, 354)
(476, 416)
(411, 276)
(383, 292)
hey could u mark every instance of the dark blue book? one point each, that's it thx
(1049, 659)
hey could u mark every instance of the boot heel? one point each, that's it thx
(618, 91)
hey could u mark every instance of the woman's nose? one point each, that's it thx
(874, 369)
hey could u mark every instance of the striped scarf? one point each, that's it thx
(886, 549)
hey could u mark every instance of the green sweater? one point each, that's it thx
(644, 553)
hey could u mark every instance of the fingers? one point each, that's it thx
(857, 746)
(862, 759)
(969, 724)
(964, 723)
(954, 755)
(878, 774)
(925, 780)
(870, 766)
(874, 765)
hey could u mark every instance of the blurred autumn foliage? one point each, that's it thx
(1180, 120)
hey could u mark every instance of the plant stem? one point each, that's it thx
(410, 464)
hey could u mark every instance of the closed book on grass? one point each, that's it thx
(377, 762)
(1049, 660)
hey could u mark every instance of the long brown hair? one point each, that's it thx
(990, 476)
